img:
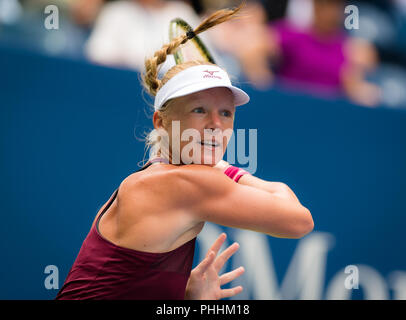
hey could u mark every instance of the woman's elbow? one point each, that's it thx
(304, 226)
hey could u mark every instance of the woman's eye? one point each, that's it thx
(199, 109)
(227, 113)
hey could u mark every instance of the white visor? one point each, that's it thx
(198, 78)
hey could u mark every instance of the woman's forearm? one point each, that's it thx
(275, 188)
(278, 189)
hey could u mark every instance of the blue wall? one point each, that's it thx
(68, 138)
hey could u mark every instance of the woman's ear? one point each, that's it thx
(157, 120)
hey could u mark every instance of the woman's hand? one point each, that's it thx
(204, 282)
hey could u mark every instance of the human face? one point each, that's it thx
(207, 115)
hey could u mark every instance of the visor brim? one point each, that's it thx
(240, 96)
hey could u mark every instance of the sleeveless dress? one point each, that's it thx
(103, 270)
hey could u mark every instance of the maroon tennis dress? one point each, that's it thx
(103, 270)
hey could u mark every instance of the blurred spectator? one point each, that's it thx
(244, 38)
(126, 32)
(10, 11)
(322, 58)
(307, 48)
(84, 12)
(22, 26)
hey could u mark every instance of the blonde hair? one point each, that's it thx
(150, 80)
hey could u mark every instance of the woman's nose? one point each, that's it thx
(214, 120)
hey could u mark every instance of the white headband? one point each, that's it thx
(195, 79)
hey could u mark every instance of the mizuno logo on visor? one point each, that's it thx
(210, 74)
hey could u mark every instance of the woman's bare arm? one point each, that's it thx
(278, 189)
(211, 196)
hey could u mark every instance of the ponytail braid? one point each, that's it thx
(150, 78)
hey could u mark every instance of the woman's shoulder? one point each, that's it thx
(168, 181)
(153, 179)
(149, 175)
(162, 174)
(144, 192)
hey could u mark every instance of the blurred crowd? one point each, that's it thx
(299, 45)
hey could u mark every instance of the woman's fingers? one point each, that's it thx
(225, 255)
(205, 264)
(226, 293)
(218, 243)
(232, 275)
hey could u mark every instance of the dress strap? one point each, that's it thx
(105, 209)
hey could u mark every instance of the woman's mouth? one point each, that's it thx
(210, 144)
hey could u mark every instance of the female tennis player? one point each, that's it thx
(142, 242)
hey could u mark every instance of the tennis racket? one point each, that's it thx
(193, 49)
